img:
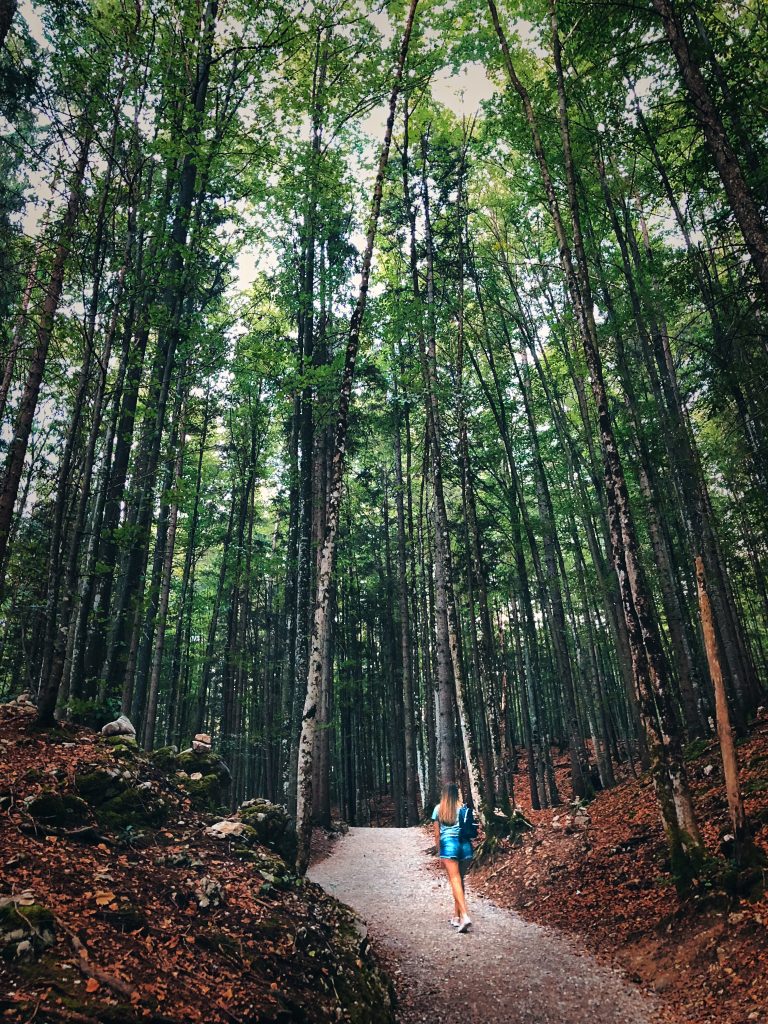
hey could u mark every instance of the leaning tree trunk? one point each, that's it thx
(17, 449)
(742, 202)
(724, 728)
(320, 618)
(18, 335)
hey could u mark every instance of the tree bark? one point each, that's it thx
(17, 449)
(411, 777)
(320, 618)
(649, 670)
(743, 205)
(724, 727)
(18, 334)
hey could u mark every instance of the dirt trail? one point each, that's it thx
(504, 970)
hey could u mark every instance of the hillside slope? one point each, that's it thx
(601, 873)
(117, 905)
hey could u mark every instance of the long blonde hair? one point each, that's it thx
(448, 811)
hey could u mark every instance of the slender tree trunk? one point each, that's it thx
(411, 778)
(18, 333)
(150, 718)
(649, 670)
(17, 449)
(320, 622)
(187, 580)
(742, 202)
(724, 728)
(443, 561)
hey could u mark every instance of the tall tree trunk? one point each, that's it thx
(17, 450)
(187, 580)
(742, 202)
(724, 728)
(18, 333)
(150, 718)
(443, 561)
(649, 669)
(191, 189)
(320, 619)
(411, 777)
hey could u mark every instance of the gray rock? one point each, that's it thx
(208, 893)
(121, 726)
(226, 830)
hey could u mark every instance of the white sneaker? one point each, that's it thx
(465, 923)
(455, 922)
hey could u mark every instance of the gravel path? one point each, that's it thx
(504, 970)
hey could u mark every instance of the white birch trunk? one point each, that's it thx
(320, 621)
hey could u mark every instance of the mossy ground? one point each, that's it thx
(64, 810)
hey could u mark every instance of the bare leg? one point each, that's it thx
(463, 868)
(454, 877)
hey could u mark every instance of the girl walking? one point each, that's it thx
(454, 850)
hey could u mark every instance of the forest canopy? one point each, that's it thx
(383, 390)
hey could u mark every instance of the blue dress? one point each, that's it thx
(452, 846)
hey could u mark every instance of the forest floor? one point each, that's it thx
(155, 920)
(601, 877)
(504, 969)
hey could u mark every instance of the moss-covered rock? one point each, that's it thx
(206, 763)
(273, 871)
(363, 990)
(99, 785)
(204, 777)
(25, 931)
(273, 825)
(206, 793)
(124, 747)
(133, 808)
(165, 758)
(59, 810)
(119, 802)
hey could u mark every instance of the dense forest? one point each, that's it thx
(380, 426)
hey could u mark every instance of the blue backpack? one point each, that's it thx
(468, 827)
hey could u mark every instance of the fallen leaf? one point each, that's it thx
(92, 985)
